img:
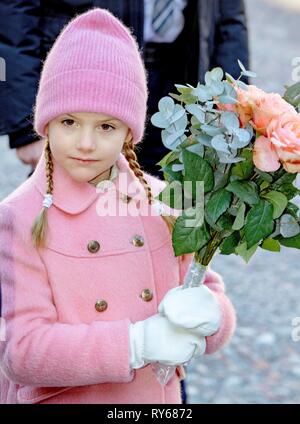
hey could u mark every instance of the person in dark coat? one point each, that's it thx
(212, 33)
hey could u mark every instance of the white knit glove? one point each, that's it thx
(156, 339)
(194, 308)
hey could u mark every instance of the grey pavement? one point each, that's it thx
(261, 364)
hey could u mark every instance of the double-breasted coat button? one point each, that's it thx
(93, 246)
(146, 295)
(137, 241)
(101, 305)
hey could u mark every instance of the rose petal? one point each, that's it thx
(264, 157)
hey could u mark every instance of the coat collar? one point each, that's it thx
(74, 197)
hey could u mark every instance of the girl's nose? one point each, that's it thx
(86, 142)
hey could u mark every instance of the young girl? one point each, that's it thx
(85, 257)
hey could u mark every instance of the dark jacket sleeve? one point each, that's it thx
(20, 47)
(231, 37)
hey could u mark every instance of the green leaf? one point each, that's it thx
(218, 204)
(271, 244)
(183, 88)
(170, 174)
(284, 184)
(290, 241)
(197, 169)
(264, 175)
(292, 94)
(245, 253)
(172, 195)
(221, 179)
(244, 170)
(229, 244)
(259, 223)
(264, 185)
(292, 209)
(224, 225)
(240, 217)
(169, 157)
(189, 239)
(279, 202)
(247, 191)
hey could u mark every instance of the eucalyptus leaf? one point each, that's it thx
(166, 106)
(196, 148)
(204, 139)
(211, 130)
(158, 120)
(216, 74)
(226, 99)
(216, 88)
(202, 93)
(195, 110)
(219, 143)
(243, 136)
(177, 167)
(229, 159)
(249, 74)
(171, 141)
(241, 65)
(178, 113)
(230, 120)
(289, 226)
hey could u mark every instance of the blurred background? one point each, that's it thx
(262, 362)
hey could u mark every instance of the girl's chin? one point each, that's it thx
(83, 177)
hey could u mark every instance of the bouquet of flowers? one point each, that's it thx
(234, 157)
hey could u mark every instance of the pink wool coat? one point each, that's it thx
(59, 347)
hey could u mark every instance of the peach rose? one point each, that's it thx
(282, 144)
(246, 100)
(258, 107)
(268, 107)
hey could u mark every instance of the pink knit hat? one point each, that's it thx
(94, 65)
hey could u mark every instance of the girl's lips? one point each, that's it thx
(84, 162)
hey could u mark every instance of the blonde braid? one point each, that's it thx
(131, 157)
(40, 225)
